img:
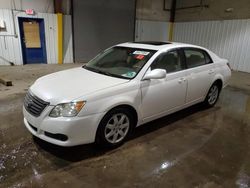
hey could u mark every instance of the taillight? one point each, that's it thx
(229, 66)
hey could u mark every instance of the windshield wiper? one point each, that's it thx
(97, 70)
(103, 72)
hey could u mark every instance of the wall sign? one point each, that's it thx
(29, 11)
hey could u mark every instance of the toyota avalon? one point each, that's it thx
(123, 87)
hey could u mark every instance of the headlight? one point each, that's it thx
(67, 109)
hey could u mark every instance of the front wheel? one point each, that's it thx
(213, 95)
(114, 127)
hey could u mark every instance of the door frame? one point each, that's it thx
(41, 34)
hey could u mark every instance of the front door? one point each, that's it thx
(32, 40)
(162, 95)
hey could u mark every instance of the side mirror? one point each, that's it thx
(155, 74)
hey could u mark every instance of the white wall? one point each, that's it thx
(45, 6)
(229, 39)
(10, 46)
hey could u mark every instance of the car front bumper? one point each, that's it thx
(63, 131)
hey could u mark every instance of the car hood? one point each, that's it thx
(65, 86)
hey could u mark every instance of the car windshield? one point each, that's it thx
(121, 62)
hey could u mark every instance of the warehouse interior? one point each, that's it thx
(195, 147)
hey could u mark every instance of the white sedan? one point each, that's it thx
(121, 88)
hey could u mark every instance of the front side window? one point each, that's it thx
(121, 62)
(170, 61)
(196, 57)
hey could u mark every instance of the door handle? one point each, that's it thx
(181, 80)
(211, 71)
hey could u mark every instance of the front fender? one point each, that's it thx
(106, 100)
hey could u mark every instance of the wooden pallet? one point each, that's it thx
(6, 82)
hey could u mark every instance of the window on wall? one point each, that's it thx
(32, 34)
(170, 61)
(196, 57)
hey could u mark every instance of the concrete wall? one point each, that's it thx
(99, 24)
(67, 40)
(152, 10)
(151, 30)
(216, 10)
(45, 6)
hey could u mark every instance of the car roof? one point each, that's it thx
(156, 45)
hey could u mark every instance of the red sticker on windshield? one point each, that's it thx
(140, 57)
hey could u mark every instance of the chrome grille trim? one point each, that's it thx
(34, 105)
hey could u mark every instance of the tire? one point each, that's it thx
(212, 95)
(115, 128)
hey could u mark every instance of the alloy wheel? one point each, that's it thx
(213, 94)
(117, 128)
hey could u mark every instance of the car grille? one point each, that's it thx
(34, 105)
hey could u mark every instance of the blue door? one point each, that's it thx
(32, 40)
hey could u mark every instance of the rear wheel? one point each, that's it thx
(115, 127)
(213, 95)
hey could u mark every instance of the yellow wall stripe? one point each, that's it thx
(170, 31)
(60, 37)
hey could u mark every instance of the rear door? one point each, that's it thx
(200, 72)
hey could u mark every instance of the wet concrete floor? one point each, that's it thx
(195, 147)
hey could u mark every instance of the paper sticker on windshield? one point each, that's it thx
(129, 74)
(141, 53)
(140, 57)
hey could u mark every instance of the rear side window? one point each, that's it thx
(208, 58)
(196, 57)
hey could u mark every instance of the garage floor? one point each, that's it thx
(193, 148)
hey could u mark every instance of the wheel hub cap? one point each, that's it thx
(117, 128)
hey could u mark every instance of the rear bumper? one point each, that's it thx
(63, 131)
